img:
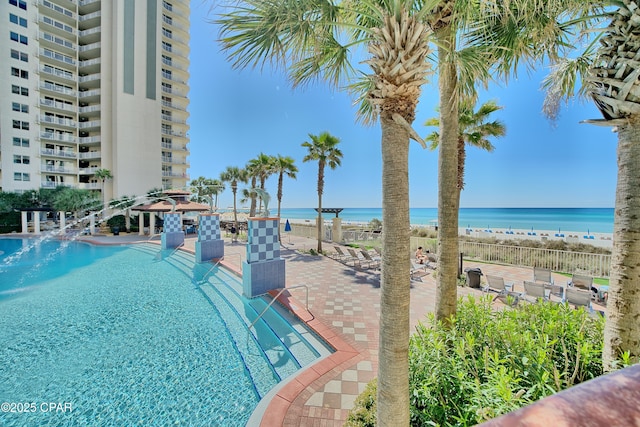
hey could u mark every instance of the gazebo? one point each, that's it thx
(172, 201)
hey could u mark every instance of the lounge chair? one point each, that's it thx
(541, 274)
(418, 271)
(579, 297)
(339, 255)
(584, 282)
(497, 284)
(372, 262)
(354, 257)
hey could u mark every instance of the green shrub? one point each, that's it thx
(493, 362)
(363, 413)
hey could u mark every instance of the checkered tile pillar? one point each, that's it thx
(210, 244)
(264, 269)
(172, 234)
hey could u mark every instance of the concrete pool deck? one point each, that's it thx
(344, 305)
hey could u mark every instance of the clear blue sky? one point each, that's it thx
(235, 115)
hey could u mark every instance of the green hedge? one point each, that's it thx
(493, 362)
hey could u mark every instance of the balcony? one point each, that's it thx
(67, 154)
(89, 140)
(90, 155)
(58, 74)
(88, 171)
(90, 48)
(89, 186)
(56, 56)
(60, 90)
(174, 147)
(57, 42)
(57, 105)
(58, 169)
(57, 27)
(59, 12)
(90, 124)
(90, 66)
(59, 121)
(59, 137)
(89, 36)
(52, 184)
(89, 96)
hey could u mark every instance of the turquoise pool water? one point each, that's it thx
(126, 336)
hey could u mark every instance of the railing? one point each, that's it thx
(597, 265)
(280, 292)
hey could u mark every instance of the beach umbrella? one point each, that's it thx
(287, 228)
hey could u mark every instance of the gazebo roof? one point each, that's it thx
(166, 206)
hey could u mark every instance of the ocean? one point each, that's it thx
(578, 220)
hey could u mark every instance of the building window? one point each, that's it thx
(23, 160)
(18, 37)
(166, 46)
(21, 176)
(18, 124)
(17, 72)
(20, 142)
(19, 90)
(20, 3)
(21, 56)
(21, 108)
(18, 20)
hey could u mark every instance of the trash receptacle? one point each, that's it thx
(115, 231)
(473, 277)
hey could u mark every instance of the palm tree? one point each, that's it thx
(610, 80)
(284, 165)
(233, 175)
(323, 149)
(103, 175)
(260, 168)
(203, 188)
(474, 131)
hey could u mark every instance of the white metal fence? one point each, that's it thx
(597, 265)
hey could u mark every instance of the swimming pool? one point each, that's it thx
(134, 335)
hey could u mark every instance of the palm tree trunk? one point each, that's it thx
(320, 190)
(448, 194)
(393, 370)
(621, 332)
(235, 214)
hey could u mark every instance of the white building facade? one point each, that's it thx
(94, 84)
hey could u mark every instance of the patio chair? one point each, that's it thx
(541, 274)
(579, 297)
(497, 284)
(535, 290)
(372, 262)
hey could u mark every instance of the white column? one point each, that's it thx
(92, 223)
(25, 222)
(36, 222)
(152, 223)
(336, 229)
(141, 223)
(63, 221)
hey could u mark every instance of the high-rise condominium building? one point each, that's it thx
(94, 84)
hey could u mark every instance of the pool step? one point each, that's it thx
(283, 344)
